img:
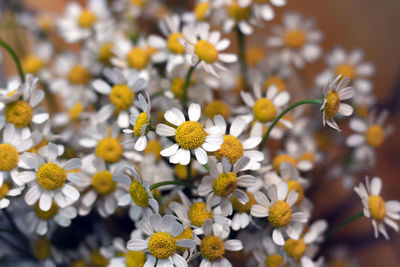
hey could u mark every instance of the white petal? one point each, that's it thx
(169, 151)
(194, 112)
(136, 244)
(201, 155)
(45, 201)
(376, 186)
(32, 196)
(345, 109)
(233, 245)
(355, 140)
(102, 87)
(277, 237)
(70, 192)
(165, 130)
(71, 164)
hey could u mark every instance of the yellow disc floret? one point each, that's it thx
(42, 248)
(4, 189)
(377, 207)
(295, 38)
(280, 214)
(153, 147)
(103, 183)
(98, 260)
(279, 159)
(217, 107)
(264, 110)
(75, 111)
(142, 120)
(212, 248)
(276, 81)
(79, 263)
(206, 51)
(274, 260)
(375, 136)
(79, 75)
(237, 12)
(86, 19)
(162, 245)
(177, 85)
(254, 55)
(295, 248)
(32, 64)
(138, 58)
(19, 113)
(198, 213)
(241, 208)
(109, 149)
(121, 96)
(139, 194)
(332, 104)
(231, 149)
(190, 135)
(181, 171)
(186, 234)
(201, 10)
(135, 259)
(8, 157)
(296, 186)
(346, 70)
(50, 176)
(105, 53)
(174, 45)
(225, 184)
(46, 215)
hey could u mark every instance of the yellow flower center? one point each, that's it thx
(274, 260)
(135, 259)
(186, 234)
(174, 45)
(275, 80)
(75, 111)
(153, 147)
(241, 208)
(50, 176)
(141, 121)
(177, 87)
(280, 214)
(138, 194)
(295, 248)
(103, 183)
(181, 171)
(212, 248)
(362, 110)
(238, 13)
(225, 184)
(138, 58)
(279, 159)
(346, 70)
(105, 53)
(217, 107)
(332, 104)
(46, 215)
(231, 149)
(19, 113)
(79, 75)
(86, 19)
(79, 263)
(201, 9)
(206, 51)
(264, 110)
(4, 188)
(162, 245)
(190, 135)
(377, 207)
(109, 149)
(98, 260)
(296, 186)
(139, 3)
(295, 38)
(121, 96)
(8, 157)
(306, 156)
(375, 136)
(32, 64)
(254, 55)
(198, 213)
(42, 248)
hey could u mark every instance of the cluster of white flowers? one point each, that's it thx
(171, 149)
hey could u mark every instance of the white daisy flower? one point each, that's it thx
(369, 135)
(238, 14)
(262, 9)
(349, 65)
(234, 148)
(141, 200)
(297, 40)
(334, 93)
(204, 46)
(202, 11)
(36, 62)
(269, 254)
(189, 136)
(121, 93)
(8, 190)
(222, 184)
(280, 212)
(39, 221)
(161, 244)
(213, 246)
(50, 180)
(375, 208)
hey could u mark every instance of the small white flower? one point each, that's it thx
(8, 190)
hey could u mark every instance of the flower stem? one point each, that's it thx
(242, 57)
(156, 185)
(15, 58)
(276, 120)
(186, 85)
(344, 223)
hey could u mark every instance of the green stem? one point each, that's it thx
(156, 185)
(206, 167)
(15, 58)
(276, 120)
(186, 85)
(242, 56)
(344, 223)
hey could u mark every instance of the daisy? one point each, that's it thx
(35, 62)
(262, 9)
(202, 11)
(349, 65)
(8, 190)
(189, 136)
(269, 254)
(369, 135)
(161, 244)
(234, 148)
(376, 209)
(204, 46)
(121, 93)
(213, 246)
(122, 257)
(280, 212)
(49, 180)
(297, 40)
(222, 184)
(238, 15)
(334, 93)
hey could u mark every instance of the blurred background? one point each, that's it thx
(370, 25)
